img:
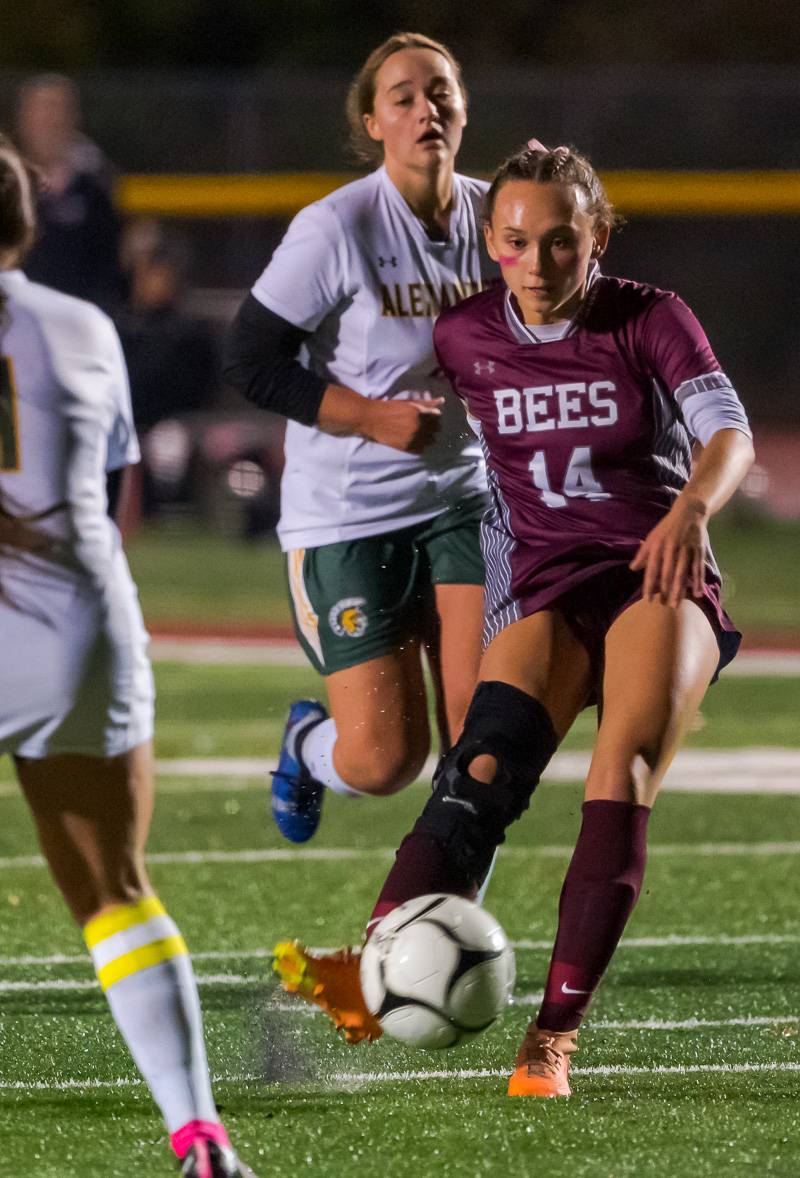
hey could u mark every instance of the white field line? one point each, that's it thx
(670, 941)
(601, 1070)
(565, 766)
(523, 1001)
(337, 854)
(692, 1024)
(724, 771)
(227, 979)
(83, 958)
(222, 979)
(748, 770)
(219, 652)
(408, 1077)
(215, 651)
(677, 941)
(782, 664)
(524, 946)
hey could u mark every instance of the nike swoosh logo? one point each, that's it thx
(565, 989)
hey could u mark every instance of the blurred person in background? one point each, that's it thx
(76, 688)
(77, 245)
(384, 486)
(172, 357)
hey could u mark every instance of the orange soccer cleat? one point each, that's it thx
(331, 981)
(542, 1064)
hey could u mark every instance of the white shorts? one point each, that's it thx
(74, 671)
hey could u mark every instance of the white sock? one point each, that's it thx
(316, 751)
(143, 965)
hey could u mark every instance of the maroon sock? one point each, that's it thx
(421, 866)
(600, 890)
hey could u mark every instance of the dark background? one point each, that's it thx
(79, 35)
(191, 86)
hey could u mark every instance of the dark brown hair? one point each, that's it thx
(17, 201)
(559, 165)
(361, 95)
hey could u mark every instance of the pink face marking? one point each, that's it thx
(508, 260)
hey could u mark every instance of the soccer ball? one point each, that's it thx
(437, 971)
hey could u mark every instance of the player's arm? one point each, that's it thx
(87, 504)
(673, 555)
(403, 425)
(116, 489)
(93, 379)
(307, 278)
(261, 362)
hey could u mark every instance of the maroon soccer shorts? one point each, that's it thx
(592, 607)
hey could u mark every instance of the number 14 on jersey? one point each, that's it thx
(579, 481)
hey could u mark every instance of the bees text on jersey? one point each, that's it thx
(583, 432)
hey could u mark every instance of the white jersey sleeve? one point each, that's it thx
(710, 403)
(308, 273)
(123, 444)
(90, 368)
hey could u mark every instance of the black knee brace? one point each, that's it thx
(468, 817)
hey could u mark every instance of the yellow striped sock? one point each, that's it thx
(130, 938)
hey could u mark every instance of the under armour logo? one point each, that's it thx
(387, 262)
(480, 367)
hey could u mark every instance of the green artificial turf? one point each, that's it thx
(287, 1102)
(191, 576)
(291, 1093)
(239, 711)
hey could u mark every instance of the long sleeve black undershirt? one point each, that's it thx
(260, 361)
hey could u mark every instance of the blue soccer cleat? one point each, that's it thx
(296, 796)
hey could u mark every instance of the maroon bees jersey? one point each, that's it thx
(584, 441)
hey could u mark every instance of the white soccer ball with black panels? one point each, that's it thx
(437, 971)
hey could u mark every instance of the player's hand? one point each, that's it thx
(673, 555)
(404, 425)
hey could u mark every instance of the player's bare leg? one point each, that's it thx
(92, 816)
(542, 673)
(384, 747)
(455, 661)
(382, 739)
(534, 679)
(381, 716)
(659, 662)
(458, 636)
(542, 657)
(550, 652)
(374, 742)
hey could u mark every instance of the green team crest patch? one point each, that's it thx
(347, 618)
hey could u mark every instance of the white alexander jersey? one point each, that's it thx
(359, 271)
(65, 419)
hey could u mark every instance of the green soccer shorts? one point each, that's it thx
(359, 599)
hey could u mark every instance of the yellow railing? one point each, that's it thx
(648, 194)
